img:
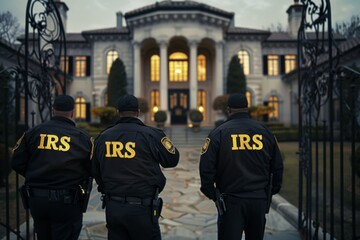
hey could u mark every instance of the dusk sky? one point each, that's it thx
(258, 14)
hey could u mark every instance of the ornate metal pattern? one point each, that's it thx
(321, 82)
(34, 81)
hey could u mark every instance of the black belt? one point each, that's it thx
(132, 200)
(55, 195)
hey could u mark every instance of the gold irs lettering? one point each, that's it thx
(117, 149)
(53, 142)
(246, 142)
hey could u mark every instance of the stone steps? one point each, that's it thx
(183, 136)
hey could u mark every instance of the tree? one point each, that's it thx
(116, 82)
(278, 28)
(9, 27)
(236, 80)
(349, 29)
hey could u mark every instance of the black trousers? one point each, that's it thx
(242, 215)
(55, 220)
(126, 221)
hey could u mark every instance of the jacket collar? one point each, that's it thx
(63, 119)
(130, 120)
(239, 115)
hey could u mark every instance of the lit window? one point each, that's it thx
(111, 56)
(201, 104)
(154, 101)
(290, 63)
(244, 61)
(248, 97)
(201, 62)
(80, 65)
(273, 65)
(155, 68)
(22, 109)
(80, 108)
(178, 67)
(274, 103)
(64, 64)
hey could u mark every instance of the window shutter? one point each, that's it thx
(71, 63)
(282, 64)
(265, 64)
(88, 112)
(88, 65)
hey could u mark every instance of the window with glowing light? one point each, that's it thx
(290, 63)
(244, 61)
(178, 67)
(111, 56)
(64, 64)
(80, 108)
(155, 68)
(201, 63)
(273, 65)
(155, 102)
(248, 97)
(201, 102)
(80, 66)
(274, 103)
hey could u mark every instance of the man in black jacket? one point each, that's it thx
(54, 157)
(237, 162)
(126, 167)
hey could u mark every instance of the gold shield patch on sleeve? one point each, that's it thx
(166, 142)
(205, 147)
(18, 142)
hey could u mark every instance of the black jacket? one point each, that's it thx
(55, 155)
(238, 157)
(127, 157)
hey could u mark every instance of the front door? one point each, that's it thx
(179, 105)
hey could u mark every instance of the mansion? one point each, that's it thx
(176, 55)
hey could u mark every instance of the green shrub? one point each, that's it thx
(106, 114)
(160, 116)
(195, 116)
(143, 105)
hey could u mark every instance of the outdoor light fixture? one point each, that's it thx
(155, 109)
(201, 108)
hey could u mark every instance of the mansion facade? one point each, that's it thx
(176, 55)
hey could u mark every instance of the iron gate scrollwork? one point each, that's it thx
(28, 88)
(329, 110)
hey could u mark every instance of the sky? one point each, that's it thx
(258, 14)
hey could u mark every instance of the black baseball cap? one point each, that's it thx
(237, 100)
(128, 103)
(64, 103)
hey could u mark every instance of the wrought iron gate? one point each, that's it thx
(27, 89)
(329, 107)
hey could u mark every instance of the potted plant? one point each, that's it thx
(160, 118)
(196, 118)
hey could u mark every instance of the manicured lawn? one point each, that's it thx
(290, 190)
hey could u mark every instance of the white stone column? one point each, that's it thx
(163, 76)
(218, 83)
(137, 70)
(193, 75)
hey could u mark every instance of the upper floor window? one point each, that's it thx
(244, 61)
(110, 58)
(80, 108)
(201, 63)
(64, 64)
(290, 63)
(155, 68)
(273, 65)
(82, 66)
(178, 67)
